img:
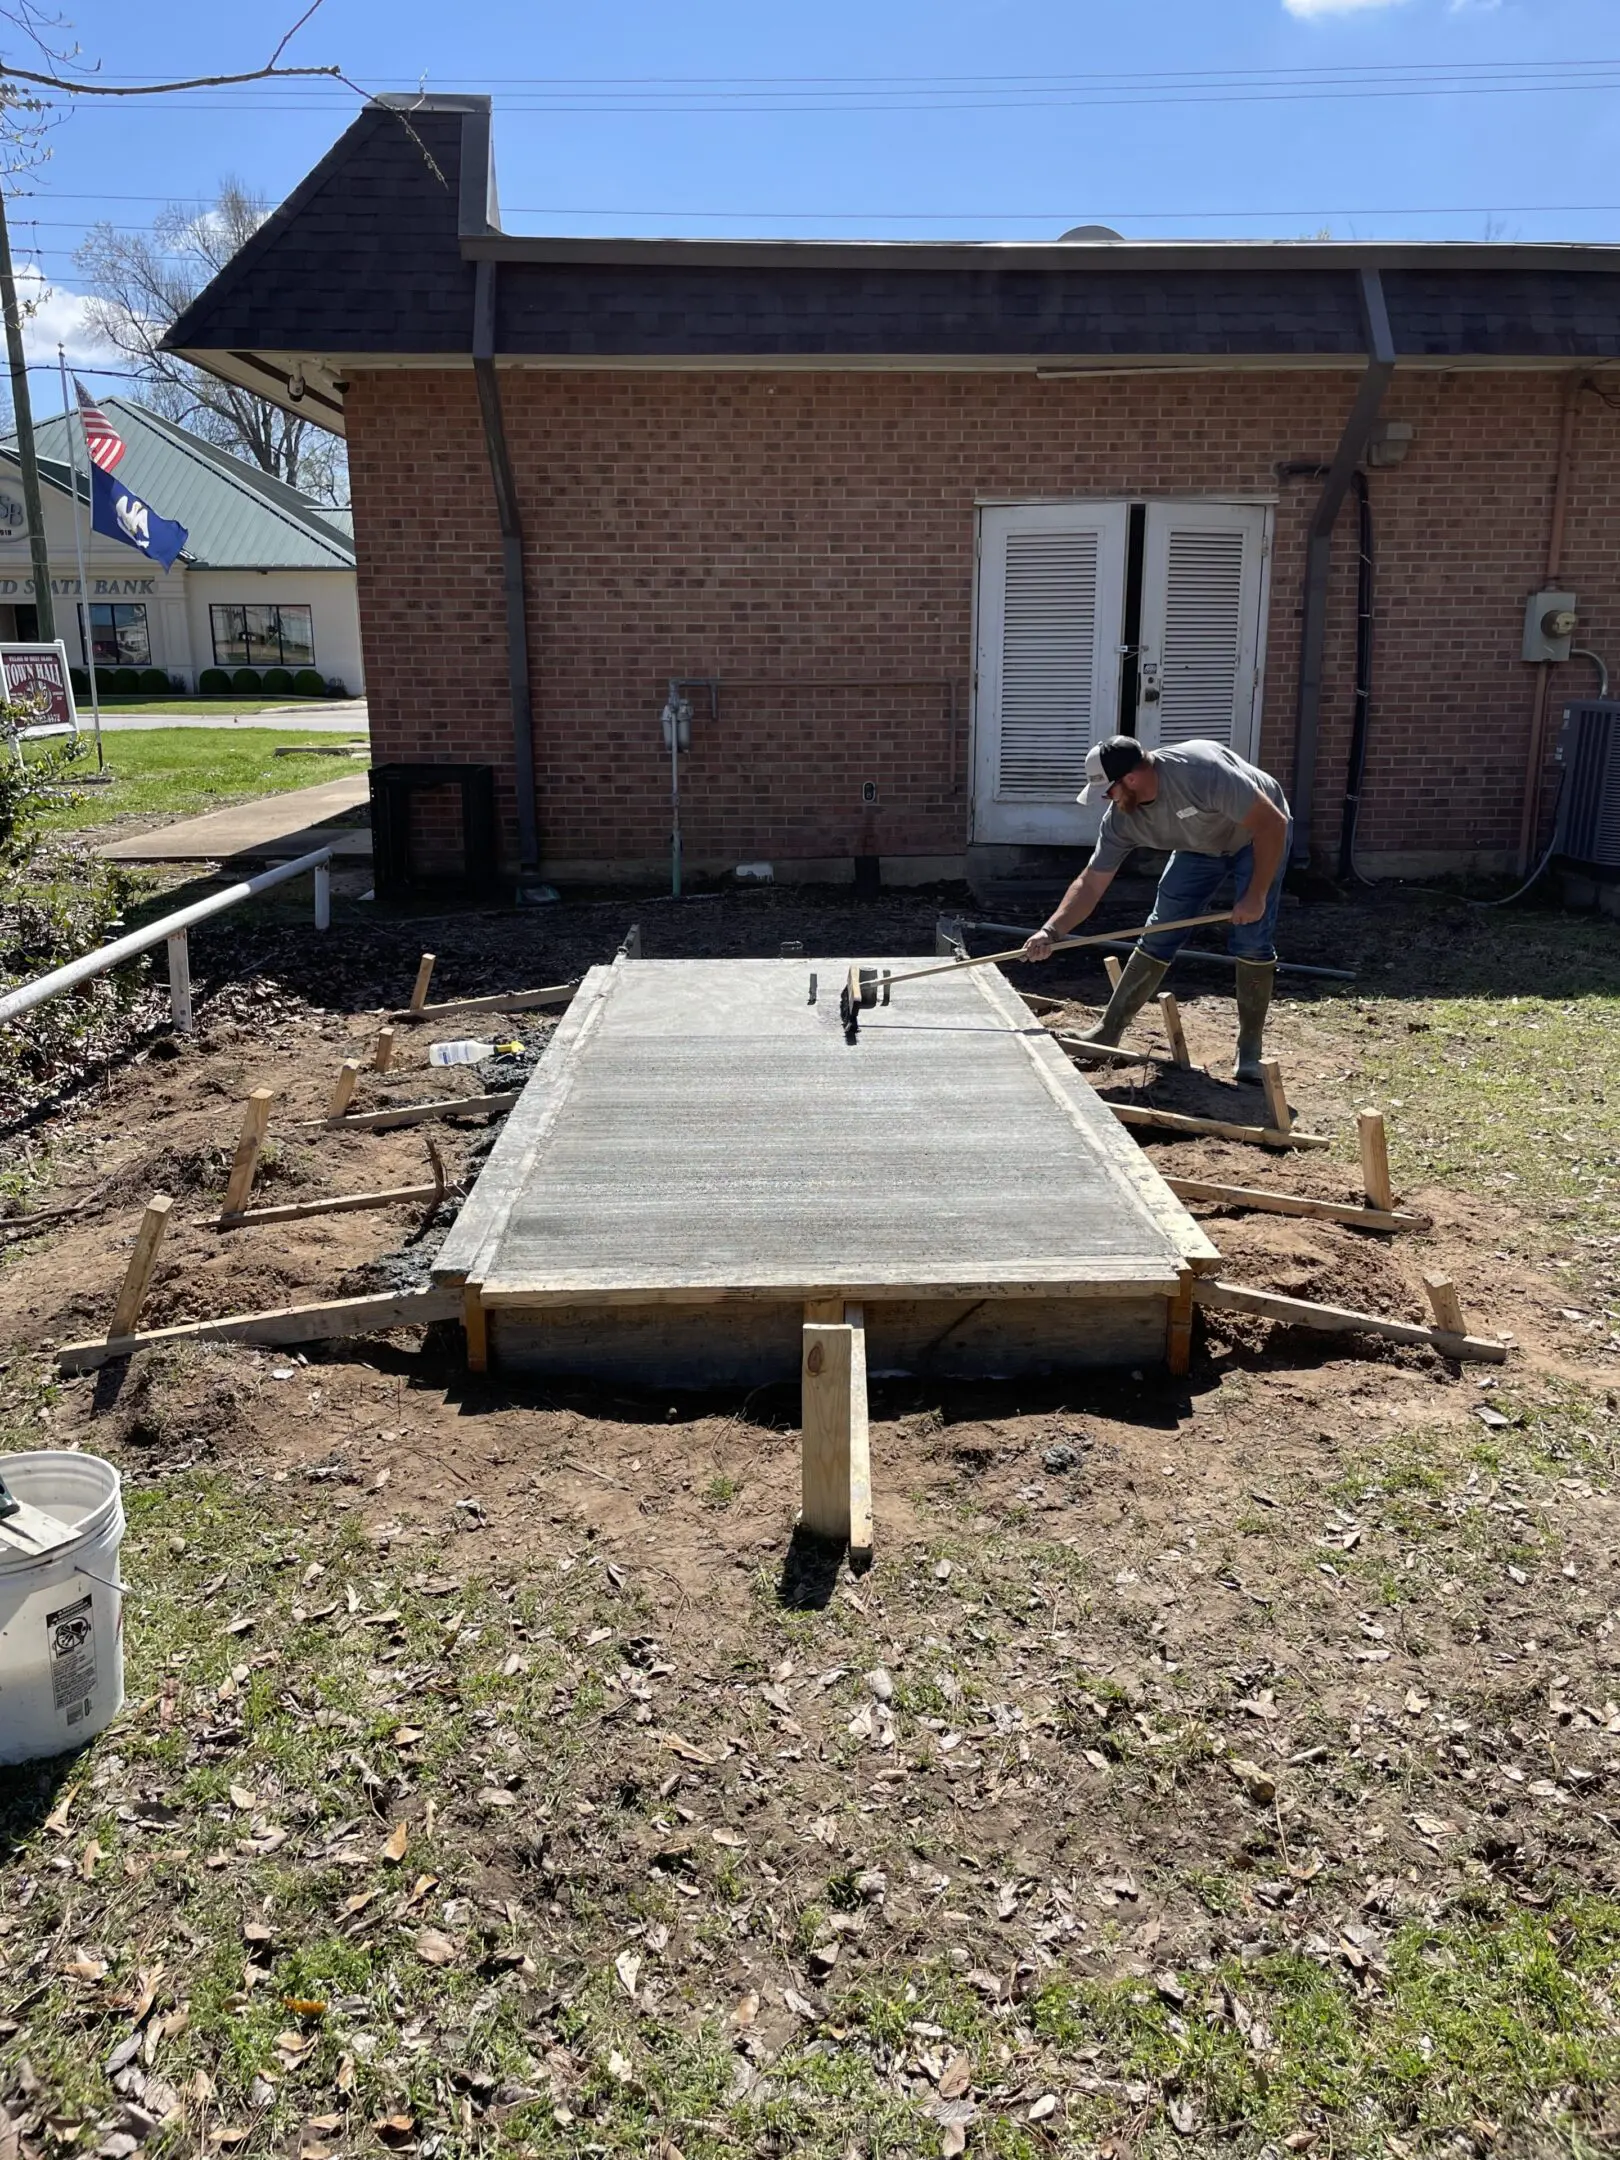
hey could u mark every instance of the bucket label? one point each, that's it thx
(72, 1635)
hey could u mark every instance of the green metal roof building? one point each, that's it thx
(266, 579)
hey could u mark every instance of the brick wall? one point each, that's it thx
(809, 539)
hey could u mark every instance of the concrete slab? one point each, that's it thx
(700, 1136)
(272, 829)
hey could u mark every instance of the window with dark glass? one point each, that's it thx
(262, 634)
(118, 634)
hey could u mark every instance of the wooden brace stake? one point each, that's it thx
(1335, 1320)
(245, 1162)
(142, 1260)
(1112, 969)
(1374, 1159)
(424, 975)
(1170, 1014)
(1178, 1329)
(383, 1056)
(1445, 1304)
(343, 1087)
(475, 1326)
(286, 1324)
(836, 1476)
(1216, 1128)
(1264, 1202)
(500, 1001)
(1277, 1110)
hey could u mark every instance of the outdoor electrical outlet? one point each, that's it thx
(1549, 625)
(868, 791)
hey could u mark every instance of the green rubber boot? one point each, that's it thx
(1254, 984)
(1141, 977)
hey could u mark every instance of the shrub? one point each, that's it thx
(308, 683)
(213, 682)
(245, 681)
(278, 682)
(127, 682)
(106, 682)
(155, 682)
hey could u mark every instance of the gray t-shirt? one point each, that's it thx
(1205, 793)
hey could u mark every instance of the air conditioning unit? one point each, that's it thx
(1589, 806)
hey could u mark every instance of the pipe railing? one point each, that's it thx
(171, 930)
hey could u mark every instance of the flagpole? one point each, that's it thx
(78, 549)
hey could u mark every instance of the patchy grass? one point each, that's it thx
(400, 1844)
(1513, 1095)
(182, 771)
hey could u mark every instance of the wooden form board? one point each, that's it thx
(699, 1131)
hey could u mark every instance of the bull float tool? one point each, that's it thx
(866, 988)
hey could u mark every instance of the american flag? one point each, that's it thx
(102, 440)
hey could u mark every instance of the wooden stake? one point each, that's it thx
(475, 1326)
(827, 1377)
(1264, 1202)
(1445, 1304)
(1113, 970)
(860, 1446)
(424, 975)
(1374, 1159)
(343, 1087)
(285, 1324)
(1170, 1014)
(1277, 1109)
(1216, 1128)
(383, 1056)
(141, 1263)
(255, 1117)
(1335, 1320)
(1178, 1329)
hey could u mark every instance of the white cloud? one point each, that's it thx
(53, 317)
(1310, 9)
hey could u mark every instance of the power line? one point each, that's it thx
(936, 217)
(1563, 81)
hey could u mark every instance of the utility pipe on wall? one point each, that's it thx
(1536, 752)
(1319, 552)
(506, 508)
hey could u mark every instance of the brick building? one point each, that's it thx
(911, 525)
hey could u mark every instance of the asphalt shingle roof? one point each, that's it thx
(373, 257)
(237, 517)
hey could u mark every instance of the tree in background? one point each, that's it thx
(141, 281)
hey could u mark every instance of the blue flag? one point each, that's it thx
(123, 516)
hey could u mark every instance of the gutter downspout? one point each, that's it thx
(1319, 552)
(1535, 756)
(517, 626)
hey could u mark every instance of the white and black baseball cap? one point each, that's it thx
(1107, 762)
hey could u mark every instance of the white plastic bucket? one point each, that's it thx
(61, 1616)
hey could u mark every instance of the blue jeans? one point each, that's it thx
(1189, 887)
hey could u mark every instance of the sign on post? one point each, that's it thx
(37, 676)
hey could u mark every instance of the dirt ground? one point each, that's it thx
(1160, 1695)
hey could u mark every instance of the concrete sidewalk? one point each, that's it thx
(346, 719)
(272, 829)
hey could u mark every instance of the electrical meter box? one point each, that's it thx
(1549, 625)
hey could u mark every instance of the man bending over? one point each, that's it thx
(1218, 817)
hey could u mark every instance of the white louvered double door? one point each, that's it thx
(1052, 610)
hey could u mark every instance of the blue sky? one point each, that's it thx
(979, 118)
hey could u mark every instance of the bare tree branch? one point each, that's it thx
(194, 82)
(140, 282)
(29, 19)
